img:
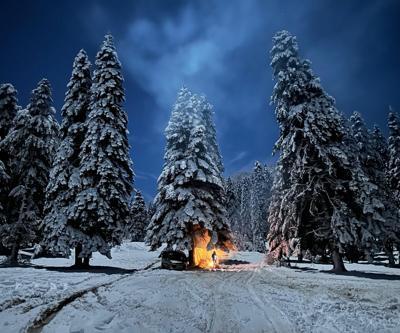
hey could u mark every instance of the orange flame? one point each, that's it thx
(202, 253)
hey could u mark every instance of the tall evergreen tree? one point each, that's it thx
(372, 151)
(31, 143)
(321, 194)
(394, 155)
(151, 209)
(139, 219)
(393, 166)
(233, 212)
(380, 145)
(8, 110)
(248, 197)
(208, 116)
(101, 211)
(392, 226)
(245, 203)
(243, 226)
(4, 179)
(261, 182)
(64, 185)
(190, 188)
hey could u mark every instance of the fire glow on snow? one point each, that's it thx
(204, 249)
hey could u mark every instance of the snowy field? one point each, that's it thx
(136, 296)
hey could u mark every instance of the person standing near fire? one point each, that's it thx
(214, 258)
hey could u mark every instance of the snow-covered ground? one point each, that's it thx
(242, 298)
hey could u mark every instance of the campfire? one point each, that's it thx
(207, 254)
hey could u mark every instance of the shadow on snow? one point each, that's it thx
(365, 275)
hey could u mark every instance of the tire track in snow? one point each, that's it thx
(15, 302)
(230, 277)
(243, 277)
(10, 303)
(45, 316)
(282, 324)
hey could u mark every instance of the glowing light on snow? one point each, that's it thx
(204, 249)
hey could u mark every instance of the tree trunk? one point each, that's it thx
(285, 262)
(86, 263)
(389, 252)
(338, 265)
(191, 258)
(13, 257)
(390, 255)
(300, 257)
(78, 260)
(192, 231)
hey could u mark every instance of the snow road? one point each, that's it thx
(243, 298)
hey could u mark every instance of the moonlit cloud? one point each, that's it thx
(216, 47)
(195, 48)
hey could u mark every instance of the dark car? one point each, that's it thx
(176, 260)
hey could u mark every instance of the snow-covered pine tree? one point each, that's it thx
(244, 182)
(239, 210)
(248, 196)
(208, 116)
(233, 213)
(322, 195)
(392, 226)
(278, 242)
(151, 209)
(61, 232)
(190, 188)
(8, 110)
(261, 183)
(4, 181)
(101, 211)
(394, 155)
(31, 143)
(372, 151)
(380, 144)
(139, 219)
(393, 165)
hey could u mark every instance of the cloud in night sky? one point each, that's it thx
(194, 48)
(216, 47)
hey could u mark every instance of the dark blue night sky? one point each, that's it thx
(217, 47)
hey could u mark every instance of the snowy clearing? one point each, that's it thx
(248, 297)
